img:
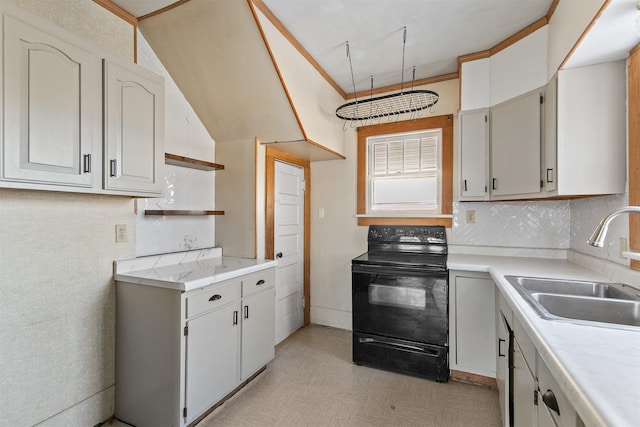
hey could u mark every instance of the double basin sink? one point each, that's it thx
(584, 302)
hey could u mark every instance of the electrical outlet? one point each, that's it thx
(471, 217)
(121, 233)
(623, 247)
(320, 212)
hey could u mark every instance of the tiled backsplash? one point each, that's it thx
(585, 216)
(556, 224)
(513, 224)
(185, 189)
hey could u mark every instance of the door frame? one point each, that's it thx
(273, 154)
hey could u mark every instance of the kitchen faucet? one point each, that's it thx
(597, 238)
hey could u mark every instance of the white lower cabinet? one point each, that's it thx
(213, 358)
(178, 354)
(258, 330)
(504, 353)
(554, 409)
(471, 323)
(528, 393)
(524, 388)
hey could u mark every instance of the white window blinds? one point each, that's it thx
(403, 171)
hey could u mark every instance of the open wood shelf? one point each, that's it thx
(187, 162)
(166, 212)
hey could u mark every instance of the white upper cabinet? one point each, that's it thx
(591, 129)
(515, 146)
(69, 125)
(52, 131)
(133, 128)
(474, 154)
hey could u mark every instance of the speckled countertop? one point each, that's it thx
(185, 271)
(597, 368)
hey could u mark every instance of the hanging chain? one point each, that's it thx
(404, 44)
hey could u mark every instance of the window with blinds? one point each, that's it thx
(404, 172)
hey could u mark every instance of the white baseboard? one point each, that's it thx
(331, 317)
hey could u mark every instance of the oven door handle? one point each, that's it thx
(395, 344)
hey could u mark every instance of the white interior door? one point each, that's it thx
(289, 248)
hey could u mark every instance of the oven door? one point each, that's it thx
(401, 303)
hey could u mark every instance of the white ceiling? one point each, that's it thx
(438, 32)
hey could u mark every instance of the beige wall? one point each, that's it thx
(57, 304)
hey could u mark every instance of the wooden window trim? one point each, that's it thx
(443, 122)
(633, 77)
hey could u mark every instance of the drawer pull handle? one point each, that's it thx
(246, 311)
(260, 282)
(500, 341)
(235, 317)
(549, 175)
(215, 297)
(549, 399)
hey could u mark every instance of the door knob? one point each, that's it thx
(279, 255)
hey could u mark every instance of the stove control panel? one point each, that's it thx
(407, 234)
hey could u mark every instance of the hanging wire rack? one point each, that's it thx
(409, 101)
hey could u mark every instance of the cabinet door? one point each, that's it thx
(212, 358)
(134, 129)
(503, 350)
(258, 331)
(549, 169)
(474, 154)
(524, 390)
(474, 325)
(515, 146)
(52, 122)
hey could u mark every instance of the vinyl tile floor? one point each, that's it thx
(313, 382)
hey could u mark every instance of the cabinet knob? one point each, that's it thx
(279, 255)
(549, 399)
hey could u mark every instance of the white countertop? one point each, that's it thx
(185, 271)
(598, 368)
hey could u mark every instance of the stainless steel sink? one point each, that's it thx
(578, 288)
(623, 312)
(585, 302)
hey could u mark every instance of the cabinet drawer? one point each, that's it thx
(256, 282)
(212, 297)
(565, 415)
